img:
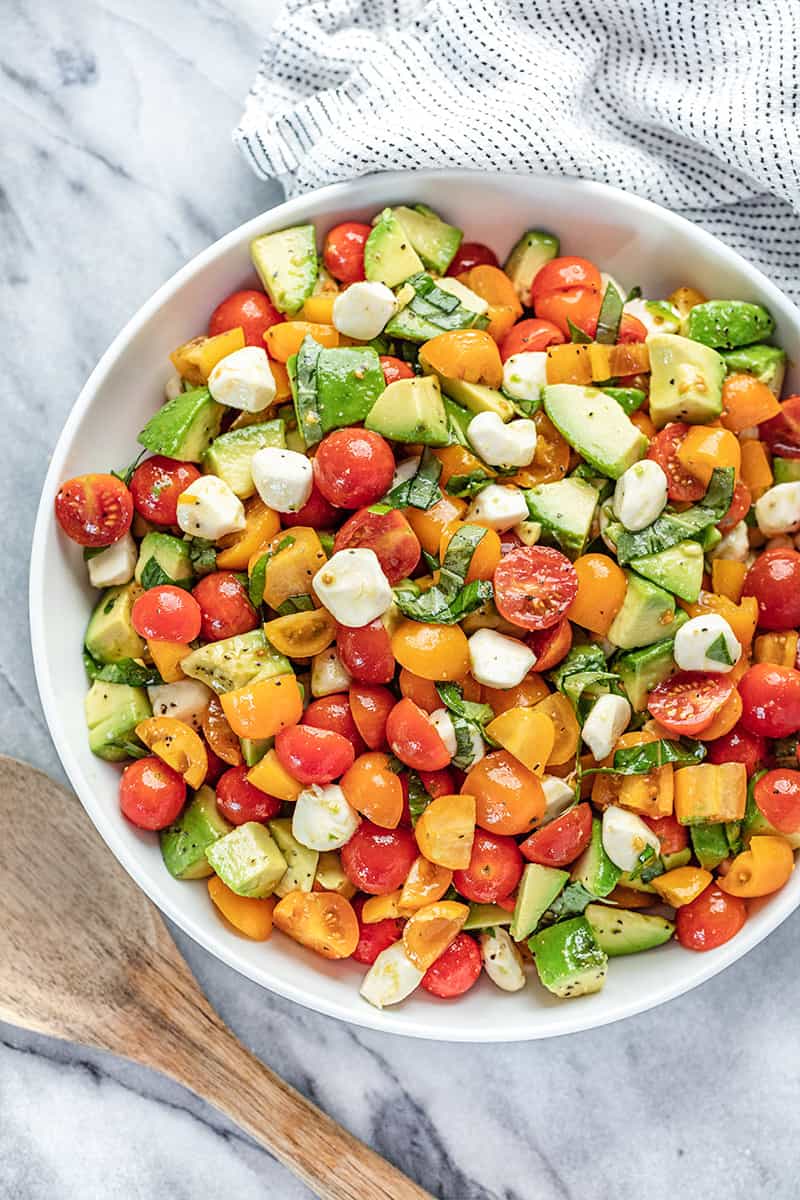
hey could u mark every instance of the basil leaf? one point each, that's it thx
(588, 657)
(295, 604)
(609, 317)
(718, 651)
(258, 579)
(629, 399)
(469, 485)
(303, 376)
(570, 903)
(422, 489)
(202, 555)
(126, 670)
(90, 552)
(127, 473)
(634, 294)
(577, 335)
(132, 749)
(440, 308)
(418, 796)
(648, 866)
(91, 666)
(452, 697)
(154, 575)
(459, 554)
(434, 607)
(431, 561)
(641, 760)
(672, 527)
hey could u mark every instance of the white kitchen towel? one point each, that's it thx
(691, 103)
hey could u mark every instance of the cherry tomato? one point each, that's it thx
(740, 506)
(494, 868)
(151, 793)
(334, 713)
(455, 971)
(366, 652)
(782, 433)
(710, 920)
(239, 801)
(343, 251)
(561, 841)
(375, 937)
(225, 606)
(673, 836)
(531, 334)
(534, 586)
(738, 746)
(577, 306)
(388, 534)
(439, 783)
(167, 614)
(371, 705)
(562, 274)
(681, 485)
(774, 580)
(771, 700)
(316, 513)
(687, 702)
(378, 860)
(550, 645)
(156, 484)
(249, 310)
(472, 254)
(313, 755)
(394, 369)
(216, 766)
(508, 797)
(94, 510)
(777, 795)
(413, 739)
(353, 467)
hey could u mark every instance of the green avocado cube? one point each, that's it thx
(767, 363)
(641, 670)
(287, 265)
(485, 916)
(568, 959)
(171, 554)
(110, 635)
(538, 888)
(620, 931)
(184, 844)
(527, 258)
(411, 410)
(230, 454)
(678, 569)
(726, 324)
(565, 510)
(247, 860)
(434, 240)
(647, 614)
(389, 256)
(113, 710)
(349, 380)
(301, 862)
(184, 427)
(596, 426)
(686, 380)
(234, 662)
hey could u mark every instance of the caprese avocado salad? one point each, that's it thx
(449, 614)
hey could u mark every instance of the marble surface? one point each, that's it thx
(117, 167)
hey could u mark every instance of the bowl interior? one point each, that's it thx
(634, 241)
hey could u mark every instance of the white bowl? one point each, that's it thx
(636, 242)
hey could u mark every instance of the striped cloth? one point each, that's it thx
(691, 103)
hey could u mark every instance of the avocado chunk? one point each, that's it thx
(647, 614)
(594, 869)
(301, 863)
(641, 670)
(595, 425)
(333, 388)
(287, 266)
(254, 749)
(230, 454)
(686, 380)
(113, 710)
(110, 635)
(184, 844)
(389, 256)
(431, 310)
(767, 363)
(476, 398)
(171, 554)
(330, 875)
(485, 916)
(458, 419)
(233, 662)
(786, 470)
(565, 510)
(620, 931)
(710, 844)
(434, 240)
(248, 860)
(629, 399)
(184, 427)
(527, 258)
(568, 959)
(538, 888)
(411, 410)
(726, 324)
(679, 569)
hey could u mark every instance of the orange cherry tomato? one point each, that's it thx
(249, 916)
(532, 334)
(429, 523)
(262, 524)
(509, 798)
(564, 273)
(219, 735)
(426, 883)
(445, 830)
(301, 634)
(468, 354)
(486, 554)
(261, 709)
(578, 306)
(177, 745)
(373, 789)
(431, 929)
(457, 460)
(532, 689)
(323, 921)
(551, 459)
(414, 739)
(370, 705)
(760, 870)
(601, 591)
(726, 719)
(432, 651)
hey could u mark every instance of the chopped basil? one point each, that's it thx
(718, 651)
(452, 697)
(304, 372)
(154, 575)
(569, 903)
(649, 756)
(609, 317)
(258, 579)
(577, 335)
(295, 604)
(449, 600)
(673, 527)
(431, 561)
(418, 796)
(467, 486)
(127, 473)
(629, 399)
(421, 490)
(648, 866)
(202, 555)
(126, 670)
(435, 306)
(634, 294)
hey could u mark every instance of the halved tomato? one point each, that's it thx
(688, 702)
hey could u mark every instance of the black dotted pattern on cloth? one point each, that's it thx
(690, 103)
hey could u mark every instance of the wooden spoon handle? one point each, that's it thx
(333, 1163)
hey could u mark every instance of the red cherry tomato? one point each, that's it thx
(710, 920)
(472, 254)
(313, 755)
(371, 705)
(673, 836)
(782, 433)
(225, 606)
(216, 766)
(439, 783)
(353, 467)
(456, 970)
(151, 794)
(494, 870)
(738, 746)
(249, 310)
(389, 535)
(578, 306)
(377, 860)
(94, 510)
(239, 801)
(413, 739)
(561, 841)
(531, 334)
(550, 645)
(681, 485)
(167, 614)
(562, 275)
(770, 700)
(774, 580)
(343, 252)
(534, 586)
(687, 702)
(740, 506)
(777, 795)
(394, 369)
(156, 484)
(316, 513)
(375, 937)
(366, 652)
(334, 713)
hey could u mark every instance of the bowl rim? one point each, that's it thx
(572, 1019)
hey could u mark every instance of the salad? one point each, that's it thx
(448, 617)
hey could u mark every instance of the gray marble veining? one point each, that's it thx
(116, 167)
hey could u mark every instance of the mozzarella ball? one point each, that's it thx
(528, 532)
(735, 545)
(501, 445)
(707, 643)
(173, 387)
(186, 700)
(362, 310)
(283, 478)
(391, 977)
(322, 818)
(209, 508)
(404, 471)
(501, 959)
(498, 507)
(558, 796)
(664, 319)
(524, 375)
(443, 724)
(640, 495)
(605, 724)
(778, 510)
(114, 565)
(244, 380)
(625, 837)
(353, 587)
(498, 661)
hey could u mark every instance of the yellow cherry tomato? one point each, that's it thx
(251, 917)
(725, 719)
(601, 591)
(568, 734)
(485, 556)
(219, 735)
(762, 869)
(378, 908)
(428, 933)
(706, 447)
(301, 634)
(290, 570)
(468, 354)
(373, 789)
(457, 460)
(167, 658)
(322, 921)
(508, 797)
(682, 885)
(527, 734)
(445, 831)
(426, 882)
(262, 708)
(177, 744)
(431, 651)
(261, 525)
(524, 695)
(271, 777)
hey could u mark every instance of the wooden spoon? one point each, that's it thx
(85, 956)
